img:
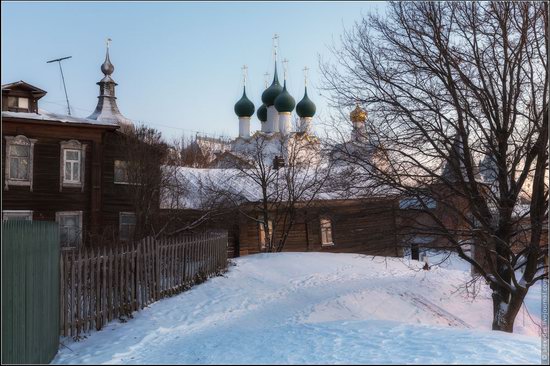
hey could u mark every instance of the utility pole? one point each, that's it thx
(58, 60)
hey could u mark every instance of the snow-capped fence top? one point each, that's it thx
(99, 285)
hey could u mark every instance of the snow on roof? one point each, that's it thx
(43, 115)
(197, 188)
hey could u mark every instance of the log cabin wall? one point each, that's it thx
(116, 197)
(358, 226)
(47, 196)
(193, 221)
(120, 197)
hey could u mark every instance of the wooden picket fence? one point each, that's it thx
(99, 285)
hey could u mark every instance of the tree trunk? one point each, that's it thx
(504, 313)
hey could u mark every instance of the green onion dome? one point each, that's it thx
(270, 94)
(244, 107)
(262, 113)
(284, 102)
(305, 108)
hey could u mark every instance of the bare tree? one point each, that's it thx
(448, 85)
(282, 174)
(197, 151)
(145, 152)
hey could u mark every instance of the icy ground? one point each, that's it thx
(315, 308)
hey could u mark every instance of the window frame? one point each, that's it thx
(6, 213)
(323, 228)
(19, 140)
(74, 145)
(120, 215)
(16, 107)
(58, 216)
(72, 162)
(115, 181)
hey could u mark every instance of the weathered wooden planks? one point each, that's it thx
(97, 286)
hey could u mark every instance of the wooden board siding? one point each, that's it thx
(116, 197)
(227, 221)
(358, 226)
(46, 199)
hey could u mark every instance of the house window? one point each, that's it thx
(127, 225)
(326, 231)
(18, 104)
(72, 161)
(19, 161)
(121, 172)
(9, 215)
(70, 228)
(262, 235)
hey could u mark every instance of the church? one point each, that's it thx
(331, 220)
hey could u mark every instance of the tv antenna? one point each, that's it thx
(58, 60)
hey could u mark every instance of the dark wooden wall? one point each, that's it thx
(46, 199)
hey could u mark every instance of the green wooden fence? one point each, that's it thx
(30, 291)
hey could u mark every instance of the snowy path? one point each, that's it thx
(313, 308)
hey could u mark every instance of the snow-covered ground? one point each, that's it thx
(316, 308)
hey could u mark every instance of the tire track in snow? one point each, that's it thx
(425, 304)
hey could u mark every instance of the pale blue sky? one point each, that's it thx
(178, 64)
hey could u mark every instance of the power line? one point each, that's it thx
(87, 111)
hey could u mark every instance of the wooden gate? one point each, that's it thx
(30, 291)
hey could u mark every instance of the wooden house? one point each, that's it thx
(64, 168)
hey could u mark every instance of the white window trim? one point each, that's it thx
(7, 212)
(330, 244)
(70, 213)
(72, 162)
(120, 214)
(19, 140)
(72, 145)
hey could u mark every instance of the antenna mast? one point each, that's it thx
(58, 60)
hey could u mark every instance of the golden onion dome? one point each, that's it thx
(358, 114)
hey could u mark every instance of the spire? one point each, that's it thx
(107, 68)
(107, 109)
(275, 53)
(305, 108)
(275, 75)
(269, 95)
(244, 107)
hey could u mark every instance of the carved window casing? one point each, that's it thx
(73, 164)
(19, 161)
(9, 215)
